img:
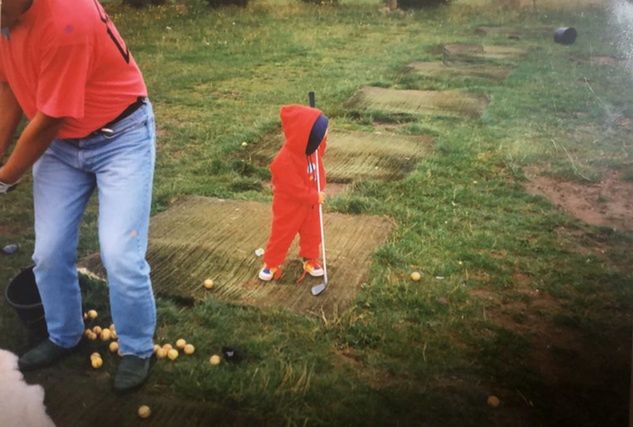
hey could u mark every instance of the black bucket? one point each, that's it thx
(23, 296)
(565, 35)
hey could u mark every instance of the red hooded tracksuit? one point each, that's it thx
(295, 195)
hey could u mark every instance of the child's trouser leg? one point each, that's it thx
(287, 219)
(310, 235)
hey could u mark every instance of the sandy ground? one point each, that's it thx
(21, 404)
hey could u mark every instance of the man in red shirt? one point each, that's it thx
(90, 128)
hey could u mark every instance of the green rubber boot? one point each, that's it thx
(132, 373)
(42, 355)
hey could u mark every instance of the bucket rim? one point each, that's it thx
(13, 303)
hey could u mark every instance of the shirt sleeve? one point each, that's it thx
(61, 87)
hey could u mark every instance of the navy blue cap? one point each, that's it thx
(316, 134)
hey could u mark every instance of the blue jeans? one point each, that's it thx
(120, 166)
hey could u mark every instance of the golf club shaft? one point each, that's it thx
(318, 180)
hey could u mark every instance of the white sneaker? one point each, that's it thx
(269, 273)
(313, 268)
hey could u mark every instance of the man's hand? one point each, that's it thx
(7, 188)
(4, 187)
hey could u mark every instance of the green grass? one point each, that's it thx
(407, 353)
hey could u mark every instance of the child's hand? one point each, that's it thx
(321, 197)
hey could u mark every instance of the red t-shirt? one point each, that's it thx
(65, 58)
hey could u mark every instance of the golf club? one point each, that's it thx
(320, 288)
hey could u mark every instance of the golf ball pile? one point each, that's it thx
(105, 334)
(173, 352)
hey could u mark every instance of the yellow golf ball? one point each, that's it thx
(96, 362)
(161, 353)
(493, 401)
(92, 314)
(97, 330)
(167, 347)
(144, 411)
(208, 284)
(180, 344)
(114, 346)
(92, 336)
(95, 354)
(215, 359)
(106, 334)
(156, 348)
(189, 349)
(415, 276)
(173, 354)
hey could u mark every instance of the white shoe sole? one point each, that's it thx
(317, 273)
(266, 277)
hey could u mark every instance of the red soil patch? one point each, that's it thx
(607, 203)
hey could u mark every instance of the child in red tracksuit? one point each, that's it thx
(295, 196)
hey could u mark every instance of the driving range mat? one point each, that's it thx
(449, 103)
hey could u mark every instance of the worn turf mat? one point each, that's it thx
(515, 32)
(477, 52)
(449, 103)
(450, 70)
(200, 238)
(357, 156)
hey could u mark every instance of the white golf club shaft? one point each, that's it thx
(318, 180)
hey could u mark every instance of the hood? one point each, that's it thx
(297, 122)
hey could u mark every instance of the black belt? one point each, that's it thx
(128, 111)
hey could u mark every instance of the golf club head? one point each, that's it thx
(318, 289)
